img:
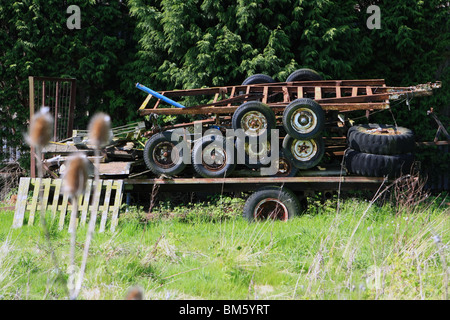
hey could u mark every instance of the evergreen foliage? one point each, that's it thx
(180, 44)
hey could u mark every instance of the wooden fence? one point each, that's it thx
(107, 206)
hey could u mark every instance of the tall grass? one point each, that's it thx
(370, 250)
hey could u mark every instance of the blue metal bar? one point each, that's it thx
(159, 96)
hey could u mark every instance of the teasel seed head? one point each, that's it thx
(100, 129)
(41, 128)
(76, 175)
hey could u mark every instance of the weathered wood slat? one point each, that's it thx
(21, 204)
(108, 184)
(56, 194)
(85, 207)
(32, 205)
(34, 201)
(117, 203)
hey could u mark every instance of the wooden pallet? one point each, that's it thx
(60, 203)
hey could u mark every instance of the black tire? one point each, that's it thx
(256, 111)
(381, 139)
(158, 163)
(286, 167)
(255, 153)
(304, 75)
(304, 154)
(304, 119)
(268, 199)
(225, 165)
(258, 78)
(376, 165)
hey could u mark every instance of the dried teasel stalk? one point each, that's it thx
(100, 130)
(75, 179)
(41, 127)
(76, 175)
(99, 135)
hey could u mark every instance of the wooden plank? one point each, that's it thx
(299, 92)
(95, 203)
(85, 206)
(317, 93)
(265, 95)
(63, 210)
(117, 204)
(286, 97)
(354, 91)
(47, 185)
(108, 184)
(338, 91)
(233, 91)
(34, 201)
(57, 183)
(368, 90)
(21, 204)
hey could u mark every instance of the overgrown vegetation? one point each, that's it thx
(193, 43)
(369, 250)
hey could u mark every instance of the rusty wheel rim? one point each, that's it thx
(253, 122)
(304, 150)
(214, 158)
(165, 155)
(284, 167)
(303, 120)
(271, 208)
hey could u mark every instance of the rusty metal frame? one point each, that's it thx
(315, 183)
(32, 104)
(346, 96)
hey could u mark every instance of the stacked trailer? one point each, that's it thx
(302, 109)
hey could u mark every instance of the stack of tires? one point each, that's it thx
(303, 120)
(377, 150)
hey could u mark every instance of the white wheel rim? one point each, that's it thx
(253, 122)
(303, 120)
(304, 150)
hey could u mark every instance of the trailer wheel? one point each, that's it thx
(258, 78)
(272, 202)
(304, 75)
(210, 158)
(375, 165)
(304, 154)
(255, 154)
(286, 167)
(381, 139)
(254, 118)
(163, 156)
(303, 119)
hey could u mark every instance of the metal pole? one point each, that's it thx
(159, 96)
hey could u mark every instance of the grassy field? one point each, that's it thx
(208, 251)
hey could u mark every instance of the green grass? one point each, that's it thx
(208, 251)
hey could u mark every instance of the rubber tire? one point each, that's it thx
(254, 106)
(203, 171)
(359, 139)
(304, 74)
(309, 104)
(148, 159)
(304, 165)
(286, 196)
(258, 78)
(375, 165)
(294, 169)
(240, 145)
